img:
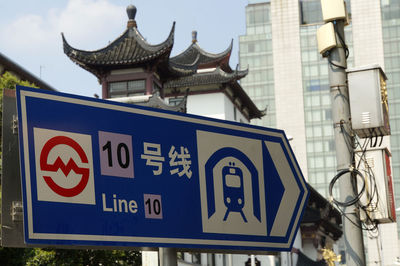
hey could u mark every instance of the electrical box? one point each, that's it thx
(368, 101)
(333, 10)
(376, 169)
(326, 38)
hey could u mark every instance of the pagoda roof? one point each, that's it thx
(129, 50)
(247, 102)
(154, 101)
(205, 59)
(215, 76)
(218, 76)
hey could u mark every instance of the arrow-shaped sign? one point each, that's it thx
(162, 179)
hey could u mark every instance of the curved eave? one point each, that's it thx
(128, 49)
(206, 59)
(253, 111)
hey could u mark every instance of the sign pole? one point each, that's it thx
(167, 257)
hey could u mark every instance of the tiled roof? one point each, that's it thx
(205, 59)
(219, 76)
(216, 76)
(130, 49)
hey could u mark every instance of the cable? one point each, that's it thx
(336, 65)
(368, 206)
(344, 46)
(336, 177)
(341, 39)
(380, 143)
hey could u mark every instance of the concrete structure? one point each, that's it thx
(287, 74)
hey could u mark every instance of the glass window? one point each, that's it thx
(318, 133)
(127, 88)
(328, 114)
(251, 47)
(318, 147)
(391, 9)
(332, 145)
(116, 87)
(314, 70)
(319, 162)
(330, 161)
(175, 101)
(307, 101)
(326, 100)
(320, 178)
(310, 11)
(313, 55)
(309, 116)
(315, 100)
(311, 162)
(310, 147)
(309, 132)
(316, 115)
(328, 130)
(136, 87)
(323, 69)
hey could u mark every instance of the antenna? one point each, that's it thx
(40, 71)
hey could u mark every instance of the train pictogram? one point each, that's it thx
(233, 190)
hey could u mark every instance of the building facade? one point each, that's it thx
(290, 77)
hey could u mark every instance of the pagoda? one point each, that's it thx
(213, 75)
(130, 67)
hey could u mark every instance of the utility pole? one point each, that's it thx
(353, 238)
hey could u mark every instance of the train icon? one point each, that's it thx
(232, 182)
(233, 190)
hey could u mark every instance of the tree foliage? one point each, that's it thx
(66, 257)
(59, 257)
(9, 81)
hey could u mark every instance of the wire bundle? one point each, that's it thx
(363, 183)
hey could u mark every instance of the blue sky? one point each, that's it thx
(31, 32)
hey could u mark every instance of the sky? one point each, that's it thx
(30, 32)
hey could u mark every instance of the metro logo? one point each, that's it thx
(66, 169)
(71, 182)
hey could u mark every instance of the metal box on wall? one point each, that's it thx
(379, 193)
(368, 101)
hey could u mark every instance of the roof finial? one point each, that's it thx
(131, 11)
(194, 36)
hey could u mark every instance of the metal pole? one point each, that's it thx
(353, 238)
(167, 257)
(253, 260)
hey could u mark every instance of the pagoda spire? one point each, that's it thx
(131, 11)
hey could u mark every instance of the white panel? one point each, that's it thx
(326, 38)
(367, 32)
(333, 10)
(210, 105)
(288, 75)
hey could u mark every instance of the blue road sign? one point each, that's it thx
(100, 173)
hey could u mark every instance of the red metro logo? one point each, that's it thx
(64, 166)
(66, 169)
